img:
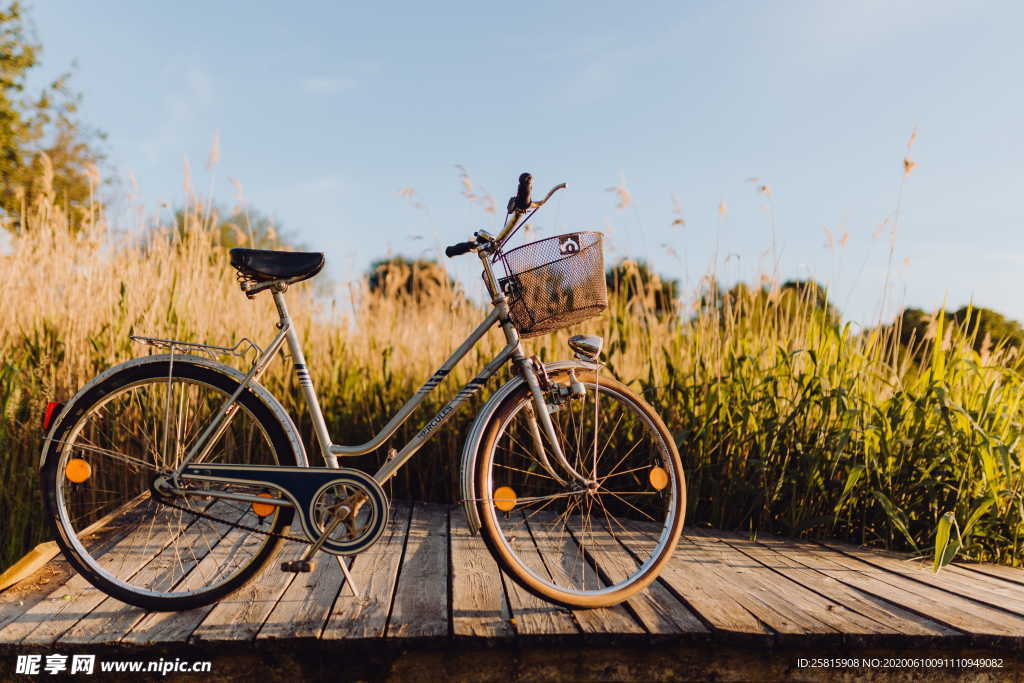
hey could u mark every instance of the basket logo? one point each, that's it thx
(569, 244)
(509, 286)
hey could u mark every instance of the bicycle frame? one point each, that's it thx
(330, 451)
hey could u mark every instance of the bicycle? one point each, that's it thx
(172, 479)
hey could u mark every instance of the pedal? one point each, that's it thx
(298, 566)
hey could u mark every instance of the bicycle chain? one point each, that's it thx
(233, 525)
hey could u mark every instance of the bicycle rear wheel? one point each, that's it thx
(103, 457)
(567, 543)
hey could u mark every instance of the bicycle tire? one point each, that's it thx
(531, 575)
(52, 475)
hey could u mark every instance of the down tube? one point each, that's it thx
(474, 385)
(406, 410)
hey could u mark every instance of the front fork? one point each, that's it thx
(544, 425)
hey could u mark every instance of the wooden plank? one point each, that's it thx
(26, 594)
(567, 565)
(29, 564)
(50, 618)
(938, 605)
(420, 607)
(784, 606)
(173, 627)
(655, 607)
(102, 535)
(982, 578)
(112, 619)
(1000, 594)
(240, 615)
(306, 604)
(998, 571)
(702, 586)
(531, 615)
(374, 572)
(479, 607)
(735, 584)
(891, 618)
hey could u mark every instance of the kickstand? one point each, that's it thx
(348, 577)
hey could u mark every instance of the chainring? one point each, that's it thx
(316, 494)
(365, 510)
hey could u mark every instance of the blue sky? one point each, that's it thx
(326, 111)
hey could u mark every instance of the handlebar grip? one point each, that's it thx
(459, 249)
(523, 193)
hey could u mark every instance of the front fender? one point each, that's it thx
(261, 392)
(476, 433)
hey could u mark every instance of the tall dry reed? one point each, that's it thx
(787, 420)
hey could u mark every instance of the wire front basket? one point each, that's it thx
(555, 282)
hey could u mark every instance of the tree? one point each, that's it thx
(44, 149)
(979, 326)
(635, 279)
(239, 227)
(399, 275)
(913, 325)
(796, 297)
(809, 293)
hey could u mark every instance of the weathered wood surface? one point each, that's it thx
(428, 577)
(479, 607)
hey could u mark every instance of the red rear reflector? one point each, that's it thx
(52, 410)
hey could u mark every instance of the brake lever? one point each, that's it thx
(556, 188)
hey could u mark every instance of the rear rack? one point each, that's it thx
(240, 350)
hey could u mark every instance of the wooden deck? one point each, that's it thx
(429, 580)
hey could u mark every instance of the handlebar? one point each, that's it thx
(459, 249)
(521, 202)
(517, 207)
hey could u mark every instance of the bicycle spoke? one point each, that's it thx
(597, 425)
(130, 434)
(549, 502)
(608, 440)
(623, 458)
(116, 456)
(630, 504)
(619, 474)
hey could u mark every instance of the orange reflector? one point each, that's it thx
(263, 509)
(658, 478)
(77, 470)
(504, 498)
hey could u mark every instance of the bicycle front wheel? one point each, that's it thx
(97, 476)
(581, 545)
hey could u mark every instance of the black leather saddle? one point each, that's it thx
(264, 265)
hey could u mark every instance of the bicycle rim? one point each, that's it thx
(584, 546)
(119, 529)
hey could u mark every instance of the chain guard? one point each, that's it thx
(307, 488)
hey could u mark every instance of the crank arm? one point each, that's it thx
(338, 519)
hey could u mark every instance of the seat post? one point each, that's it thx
(278, 289)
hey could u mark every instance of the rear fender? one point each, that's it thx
(261, 393)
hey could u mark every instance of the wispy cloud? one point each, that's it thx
(331, 184)
(327, 85)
